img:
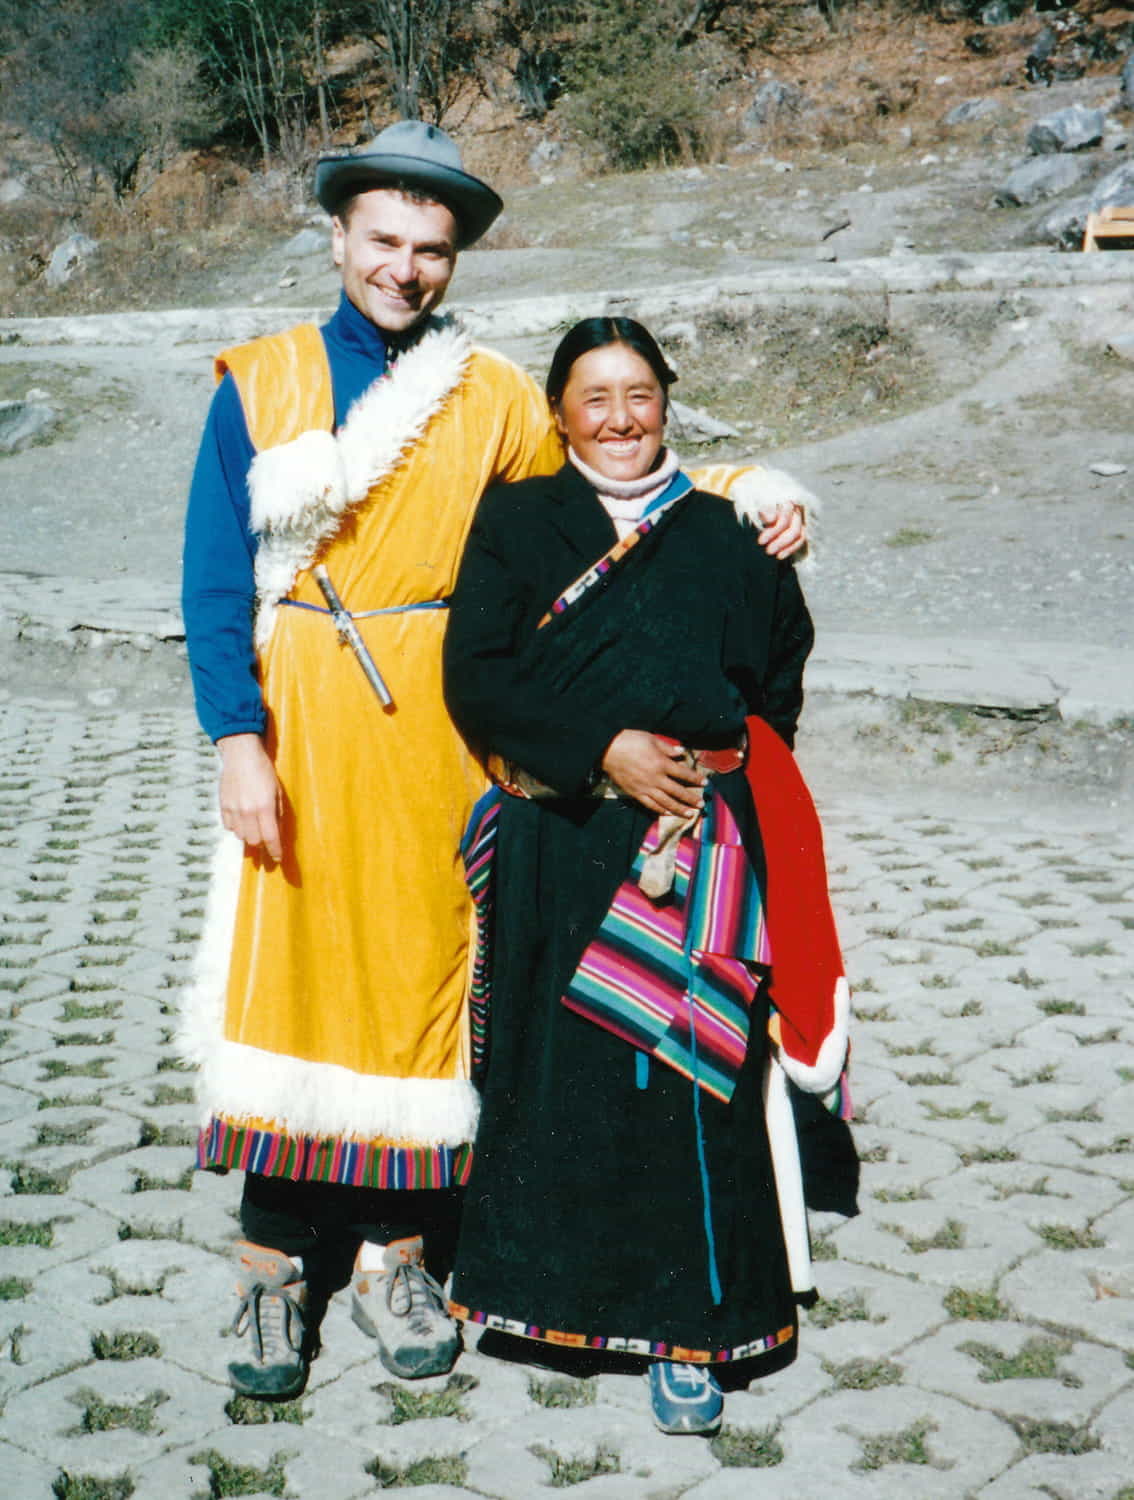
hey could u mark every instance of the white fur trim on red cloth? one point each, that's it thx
(821, 1076)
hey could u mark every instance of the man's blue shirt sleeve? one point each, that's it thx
(218, 587)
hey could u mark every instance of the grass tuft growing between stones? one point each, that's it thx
(75, 1133)
(108, 1416)
(152, 1134)
(559, 1392)
(980, 1109)
(1118, 1147)
(125, 1345)
(17, 1232)
(912, 1194)
(909, 1446)
(125, 1286)
(145, 1182)
(147, 1229)
(828, 1311)
(1037, 1188)
(446, 1470)
(14, 1288)
(1046, 1074)
(105, 1010)
(415, 1406)
(1062, 1008)
(227, 1478)
(36, 1181)
(1067, 1237)
(170, 1093)
(242, 1411)
(1087, 1115)
(58, 1067)
(951, 1236)
(980, 1155)
(1039, 1436)
(747, 1448)
(1026, 981)
(1036, 1359)
(68, 1486)
(564, 1472)
(69, 1101)
(975, 1305)
(863, 1374)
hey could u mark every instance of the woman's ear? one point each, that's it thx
(560, 425)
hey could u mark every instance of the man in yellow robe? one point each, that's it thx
(329, 1017)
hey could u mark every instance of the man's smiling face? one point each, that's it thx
(396, 255)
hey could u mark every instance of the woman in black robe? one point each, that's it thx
(614, 1206)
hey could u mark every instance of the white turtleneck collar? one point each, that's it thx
(626, 500)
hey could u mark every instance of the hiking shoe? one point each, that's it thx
(272, 1295)
(684, 1398)
(404, 1309)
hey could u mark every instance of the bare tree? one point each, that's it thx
(429, 52)
(77, 79)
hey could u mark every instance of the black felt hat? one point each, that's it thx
(423, 155)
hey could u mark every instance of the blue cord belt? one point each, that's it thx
(368, 614)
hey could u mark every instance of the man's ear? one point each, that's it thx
(338, 234)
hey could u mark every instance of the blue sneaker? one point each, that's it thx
(684, 1398)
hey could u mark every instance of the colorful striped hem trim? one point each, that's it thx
(347, 1163)
(649, 1347)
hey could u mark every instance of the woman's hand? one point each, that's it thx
(653, 772)
(251, 798)
(784, 530)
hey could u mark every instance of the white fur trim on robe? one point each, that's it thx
(302, 490)
(323, 1100)
(765, 489)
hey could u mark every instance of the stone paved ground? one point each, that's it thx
(975, 1336)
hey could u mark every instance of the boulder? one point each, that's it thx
(775, 100)
(690, 425)
(1116, 187)
(1071, 129)
(1063, 226)
(71, 255)
(1044, 177)
(22, 422)
(1002, 12)
(1126, 79)
(12, 189)
(309, 241)
(545, 154)
(971, 109)
(1038, 66)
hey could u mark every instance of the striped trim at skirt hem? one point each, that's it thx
(222, 1145)
(652, 1348)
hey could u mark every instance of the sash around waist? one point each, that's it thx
(370, 614)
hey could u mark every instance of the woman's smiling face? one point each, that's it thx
(612, 412)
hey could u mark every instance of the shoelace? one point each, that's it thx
(421, 1295)
(275, 1325)
(693, 1379)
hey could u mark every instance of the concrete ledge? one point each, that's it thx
(1018, 679)
(526, 316)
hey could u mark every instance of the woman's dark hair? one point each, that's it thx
(596, 333)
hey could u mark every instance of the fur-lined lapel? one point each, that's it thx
(301, 491)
